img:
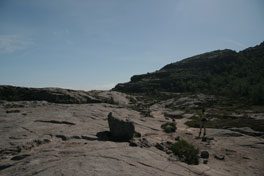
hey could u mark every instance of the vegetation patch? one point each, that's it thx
(173, 116)
(223, 121)
(169, 127)
(237, 75)
(186, 152)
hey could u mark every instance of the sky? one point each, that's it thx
(95, 44)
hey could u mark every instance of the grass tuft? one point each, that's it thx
(169, 127)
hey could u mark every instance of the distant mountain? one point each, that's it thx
(221, 72)
(54, 95)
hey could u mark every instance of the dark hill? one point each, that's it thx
(54, 95)
(221, 72)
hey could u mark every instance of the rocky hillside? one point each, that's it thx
(54, 95)
(221, 72)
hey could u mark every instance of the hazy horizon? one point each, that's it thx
(88, 45)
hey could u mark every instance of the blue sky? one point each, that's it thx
(95, 44)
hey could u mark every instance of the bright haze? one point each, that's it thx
(95, 44)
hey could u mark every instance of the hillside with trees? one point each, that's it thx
(221, 72)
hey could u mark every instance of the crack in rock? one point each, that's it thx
(162, 170)
(55, 122)
(2, 167)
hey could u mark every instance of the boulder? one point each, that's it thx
(121, 129)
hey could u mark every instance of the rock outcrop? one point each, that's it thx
(120, 128)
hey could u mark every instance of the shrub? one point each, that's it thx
(186, 152)
(169, 127)
(173, 116)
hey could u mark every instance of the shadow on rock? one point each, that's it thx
(106, 136)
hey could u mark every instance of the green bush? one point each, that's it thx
(169, 127)
(186, 152)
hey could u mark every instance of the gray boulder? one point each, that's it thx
(121, 129)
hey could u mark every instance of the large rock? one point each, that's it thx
(120, 128)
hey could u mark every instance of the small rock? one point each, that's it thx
(64, 138)
(220, 157)
(160, 146)
(169, 143)
(205, 161)
(177, 138)
(169, 152)
(144, 143)
(132, 143)
(137, 134)
(205, 154)
(46, 140)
